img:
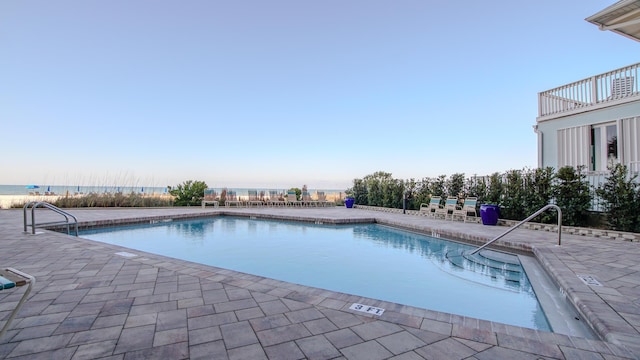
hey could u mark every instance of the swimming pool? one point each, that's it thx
(367, 260)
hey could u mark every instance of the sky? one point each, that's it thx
(284, 93)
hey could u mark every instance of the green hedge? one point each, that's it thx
(519, 193)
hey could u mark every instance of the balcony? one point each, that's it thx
(611, 88)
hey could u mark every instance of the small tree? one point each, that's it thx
(438, 186)
(423, 193)
(410, 190)
(538, 192)
(513, 199)
(619, 194)
(571, 192)
(476, 187)
(358, 192)
(494, 190)
(376, 184)
(455, 185)
(298, 193)
(393, 191)
(188, 193)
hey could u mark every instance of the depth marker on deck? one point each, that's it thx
(366, 308)
(126, 254)
(589, 280)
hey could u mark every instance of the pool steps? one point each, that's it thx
(490, 263)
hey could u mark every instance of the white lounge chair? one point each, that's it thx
(430, 208)
(11, 278)
(449, 206)
(307, 200)
(292, 199)
(210, 197)
(468, 207)
(322, 199)
(253, 199)
(232, 199)
(275, 199)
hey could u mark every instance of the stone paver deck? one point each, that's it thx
(90, 302)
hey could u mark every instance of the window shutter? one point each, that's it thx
(630, 148)
(573, 146)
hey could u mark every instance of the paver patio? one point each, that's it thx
(89, 302)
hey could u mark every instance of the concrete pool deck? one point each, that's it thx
(90, 302)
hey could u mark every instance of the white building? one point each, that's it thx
(595, 121)
(622, 18)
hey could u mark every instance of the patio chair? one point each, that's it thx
(468, 207)
(232, 199)
(275, 199)
(11, 278)
(307, 200)
(449, 206)
(322, 199)
(292, 199)
(253, 198)
(210, 197)
(430, 208)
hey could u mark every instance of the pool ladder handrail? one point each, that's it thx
(34, 204)
(543, 209)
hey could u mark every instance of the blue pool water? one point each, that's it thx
(367, 260)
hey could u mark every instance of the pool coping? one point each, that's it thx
(620, 338)
(604, 321)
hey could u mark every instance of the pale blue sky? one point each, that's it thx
(286, 92)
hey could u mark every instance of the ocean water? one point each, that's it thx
(73, 189)
(82, 189)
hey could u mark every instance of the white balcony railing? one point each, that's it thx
(619, 85)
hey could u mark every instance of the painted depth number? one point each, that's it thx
(366, 308)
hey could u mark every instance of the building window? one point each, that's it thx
(604, 146)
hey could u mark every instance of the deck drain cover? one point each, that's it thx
(126, 254)
(589, 280)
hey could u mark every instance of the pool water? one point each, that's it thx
(367, 260)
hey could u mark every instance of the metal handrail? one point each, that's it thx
(543, 209)
(34, 204)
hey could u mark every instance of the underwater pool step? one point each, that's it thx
(487, 266)
(495, 260)
(500, 256)
(489, 258)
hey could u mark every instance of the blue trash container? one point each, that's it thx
(348, 202)
(489, 214)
